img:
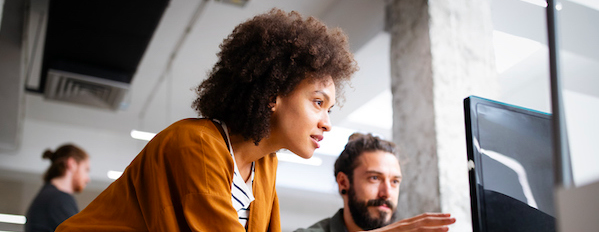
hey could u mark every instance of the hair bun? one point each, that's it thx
(48, 154)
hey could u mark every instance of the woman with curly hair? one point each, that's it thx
(276, 80)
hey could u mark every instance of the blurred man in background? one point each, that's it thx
(68, 173)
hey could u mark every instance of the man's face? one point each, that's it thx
(372, 197)
(81, 176)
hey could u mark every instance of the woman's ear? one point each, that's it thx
(274, 103)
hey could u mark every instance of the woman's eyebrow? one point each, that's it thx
(324, 94)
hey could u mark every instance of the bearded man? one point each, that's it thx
(368, 176)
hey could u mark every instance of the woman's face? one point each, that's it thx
(300, 119)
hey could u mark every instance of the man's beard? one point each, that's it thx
(361, 215)
(76, 182)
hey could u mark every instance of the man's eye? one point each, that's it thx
(374, 177)
(318, 102)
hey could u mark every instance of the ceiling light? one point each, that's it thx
(142, 135)
(13, 219)
(541, 3)
(240, 3)
(114, 174)
(287, 156)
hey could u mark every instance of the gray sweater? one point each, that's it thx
(334, 224)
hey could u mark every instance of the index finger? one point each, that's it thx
(429, 222)
(426, 215)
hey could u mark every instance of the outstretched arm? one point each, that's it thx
(427, 222)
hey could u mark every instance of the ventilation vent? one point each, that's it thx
(85, 90)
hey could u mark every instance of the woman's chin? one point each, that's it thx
(303, 154)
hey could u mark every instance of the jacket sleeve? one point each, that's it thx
(181, 181)
(198, 185)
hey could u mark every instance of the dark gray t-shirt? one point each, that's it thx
(333, 224)
(50, 208)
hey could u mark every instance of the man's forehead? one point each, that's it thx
(378, 161)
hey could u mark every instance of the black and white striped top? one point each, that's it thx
(242, 195)
(241, 191)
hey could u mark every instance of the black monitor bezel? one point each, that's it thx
(471, 119)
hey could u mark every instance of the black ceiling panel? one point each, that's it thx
(101, 38)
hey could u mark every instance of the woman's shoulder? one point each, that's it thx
(189, 133)
(190, 139)
(192, 123)
(192, 128)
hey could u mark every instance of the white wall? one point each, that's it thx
(42, 135)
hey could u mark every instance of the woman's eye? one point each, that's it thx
(318, 102)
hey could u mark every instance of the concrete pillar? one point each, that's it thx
(11, 81)
(441, 52)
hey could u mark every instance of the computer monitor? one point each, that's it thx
(510, 160)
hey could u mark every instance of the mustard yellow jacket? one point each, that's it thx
(181, 181)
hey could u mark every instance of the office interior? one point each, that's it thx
(177, 59)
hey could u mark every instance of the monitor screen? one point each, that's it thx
(510, 159)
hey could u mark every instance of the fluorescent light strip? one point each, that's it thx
(142, 135)
(541, 3)
(114, 174)
(293, 158)
(13, 219)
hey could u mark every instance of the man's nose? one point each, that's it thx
(385, 190)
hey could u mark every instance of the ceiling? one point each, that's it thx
(159, 96)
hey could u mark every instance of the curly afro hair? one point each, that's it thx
(265, 57)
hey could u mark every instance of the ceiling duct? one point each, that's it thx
(87, 90)
(92, 49)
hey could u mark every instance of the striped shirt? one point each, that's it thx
(241, 195)
(241, 191)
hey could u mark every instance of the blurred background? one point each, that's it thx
(161, 50)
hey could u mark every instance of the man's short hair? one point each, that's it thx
(357, 144)
(265, 57)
